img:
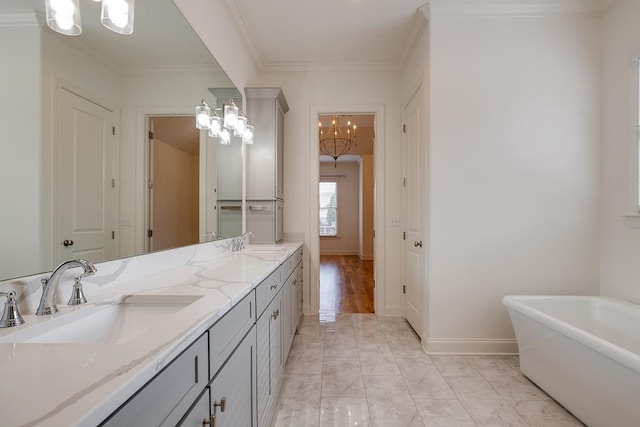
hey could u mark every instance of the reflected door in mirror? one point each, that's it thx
(85, 182)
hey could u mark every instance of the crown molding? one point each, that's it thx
(418, 27)
(522, 8)
(18, 18)
(338, 66)
(234, 13)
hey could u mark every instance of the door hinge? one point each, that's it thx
(404, 182)
(113, 183)
(404, 128)
(113, 130)
(149, 233)
(150, 185)
(404, 235)
(150, 135)
(404, 289)
(113, 235)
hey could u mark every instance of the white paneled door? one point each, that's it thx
(85, 187)
(413, 203)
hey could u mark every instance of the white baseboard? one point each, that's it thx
(470, 346)
(338, 252)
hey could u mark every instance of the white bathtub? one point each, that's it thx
(584, 352)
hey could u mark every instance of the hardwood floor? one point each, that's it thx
(346, 284)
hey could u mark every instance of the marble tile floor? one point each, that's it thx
(355, 370)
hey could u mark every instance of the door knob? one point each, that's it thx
(417, 244)
(67, 242)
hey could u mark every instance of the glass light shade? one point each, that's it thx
(216, 126)
(230, 116)
(241, 124)
(225, 137)
(203, 117)
(63, 16)
(247, 136)
(117, 15)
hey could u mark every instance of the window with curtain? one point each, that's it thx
(328, 209)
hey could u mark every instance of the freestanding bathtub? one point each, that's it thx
(584, 352)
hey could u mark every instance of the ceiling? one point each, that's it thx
(295, 33)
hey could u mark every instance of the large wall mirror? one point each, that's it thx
(99, 154)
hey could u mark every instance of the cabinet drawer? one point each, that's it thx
(266, 290)
(291, 263)
(166, 398)
(227, 333)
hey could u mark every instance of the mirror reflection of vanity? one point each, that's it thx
(57, 88)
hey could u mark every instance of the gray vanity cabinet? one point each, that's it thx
(239, 361)
(168, 396)
(233, 391)
(269, 353)
(199, 412)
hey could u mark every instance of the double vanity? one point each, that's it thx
(192, 336)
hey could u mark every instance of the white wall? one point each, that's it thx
(310, 92)
(347, 241)
(513, 170)
(620, 276)
(20, 164)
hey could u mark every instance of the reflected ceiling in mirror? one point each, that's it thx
(162, 69)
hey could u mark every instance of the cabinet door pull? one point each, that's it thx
(274, 286)
(222, 405)
(275, 314)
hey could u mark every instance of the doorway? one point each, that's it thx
(346, 216)
(173, 182)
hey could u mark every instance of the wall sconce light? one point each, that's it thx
(63, 16)
(117, 15)
(232, 120)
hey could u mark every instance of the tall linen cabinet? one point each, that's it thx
(266, 108)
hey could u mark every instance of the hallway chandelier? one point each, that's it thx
(222, 121)
(63, 16)
(336, 139)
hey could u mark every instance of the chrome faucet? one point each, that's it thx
(49, 286)
(240, 243)
(11, 316)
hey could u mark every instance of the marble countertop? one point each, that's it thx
(81, 384)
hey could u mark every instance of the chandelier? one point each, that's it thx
(336, 139)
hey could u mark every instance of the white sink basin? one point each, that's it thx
(115, 322)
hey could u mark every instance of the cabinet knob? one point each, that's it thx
(210, 422)
(276, 313)
(222, 405)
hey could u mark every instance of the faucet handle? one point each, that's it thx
(77, 295)
(11, 315)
